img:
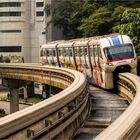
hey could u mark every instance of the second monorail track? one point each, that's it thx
(106, 107)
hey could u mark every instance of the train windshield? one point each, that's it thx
(119, 52)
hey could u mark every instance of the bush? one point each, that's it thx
(2, 111)
(1, 58)
(6, 59)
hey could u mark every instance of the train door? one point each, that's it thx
(82, 57)
(77, 58)
(66, 57)
(101, 71)
(43, 56)
(92, 57)
(54, 57)
(50, 57)
(84, 65)
(71, 58)
(81, 60)
(61, 57)
(97, 71)
(87, 63)
(95, 65)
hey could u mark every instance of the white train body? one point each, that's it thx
(99, 58)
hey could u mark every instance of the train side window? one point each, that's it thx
(50, 52)
(64, 52)
(91, 51)
(47, 53)
(67, 52)
(92, 54)
(76, 51)
(85, 51)
(60, 52)
(70, 52)
(95, 51)
(54, 53)
(99, 52)
(80, 51)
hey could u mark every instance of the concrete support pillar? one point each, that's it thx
(13, 86)
(14, 100)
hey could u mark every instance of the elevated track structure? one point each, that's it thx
(62, 115)
(59, 116)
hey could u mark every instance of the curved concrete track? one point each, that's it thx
(106, 108)
(69, 106)
(127, 126)
(62, 115)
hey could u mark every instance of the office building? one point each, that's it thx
(23, 28)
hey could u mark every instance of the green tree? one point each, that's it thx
(79, 18)
(130, 24)
(66, 16)
(99, 23)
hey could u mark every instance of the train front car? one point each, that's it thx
(119, 55)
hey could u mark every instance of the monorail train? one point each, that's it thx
(99, 58)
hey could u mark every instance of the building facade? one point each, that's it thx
(23, 28)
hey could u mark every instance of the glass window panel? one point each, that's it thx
(119, 52)
(40, 13)
(85, 51)
(39, 4)
(10, 48)
(54, 53)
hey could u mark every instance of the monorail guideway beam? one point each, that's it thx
(13, 86)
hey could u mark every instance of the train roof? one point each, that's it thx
(65, 44)
(78, 42)
(49, 45)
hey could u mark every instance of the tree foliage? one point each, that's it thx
(66, 15)
(98, 23)
(84, 18)
(130, 24)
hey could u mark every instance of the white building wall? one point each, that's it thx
(37, 27)
(20, 23)
(32, 28)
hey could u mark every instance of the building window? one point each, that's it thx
(10, 4)
(39, 4)
(6, 14)
(40, 13)
(10, 31)
(10, 48)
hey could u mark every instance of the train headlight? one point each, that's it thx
(133, 60)
(110, 64)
